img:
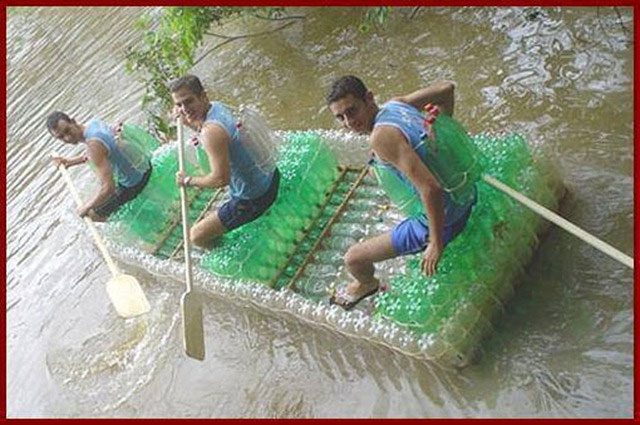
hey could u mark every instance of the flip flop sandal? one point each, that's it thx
(348, 301)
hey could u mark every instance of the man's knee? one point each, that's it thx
(198, 238)
(353, 257)
(96, 217)
(204, 237)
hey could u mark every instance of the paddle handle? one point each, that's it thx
(184, 210)
(92, 228)
(561, 222)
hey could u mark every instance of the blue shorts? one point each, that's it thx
(236, 212)
(411, 235)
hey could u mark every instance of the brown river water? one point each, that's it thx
(564, 345)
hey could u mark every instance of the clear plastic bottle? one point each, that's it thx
(259, 140)
(451, 155)
(402, 195)
(137, 145)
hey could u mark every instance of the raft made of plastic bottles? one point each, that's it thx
(289, 258)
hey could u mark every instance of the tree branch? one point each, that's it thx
(229, 39)
(281, 18)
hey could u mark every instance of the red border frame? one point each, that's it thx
(94, 3)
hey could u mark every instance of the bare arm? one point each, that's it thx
(70, 162)
(391, 146)
(215, 141)
(99, 155)
(440, 93)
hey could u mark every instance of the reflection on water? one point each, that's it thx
(563, 76)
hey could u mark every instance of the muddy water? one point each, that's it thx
(564, 347)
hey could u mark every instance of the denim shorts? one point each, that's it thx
(411, 235)
(236, 212)
(121, 196)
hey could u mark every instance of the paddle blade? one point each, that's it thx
(193, 332)
(126, 296)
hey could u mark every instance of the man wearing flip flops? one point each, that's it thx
(395, 131)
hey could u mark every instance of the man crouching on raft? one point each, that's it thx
(131, 168)
(252, 189)
(395, 131)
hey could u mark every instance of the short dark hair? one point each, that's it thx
(189, 81)
(344, 86)
(54, 118)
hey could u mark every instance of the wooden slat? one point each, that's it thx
(334, 186)
(200, 216)
(325, 232)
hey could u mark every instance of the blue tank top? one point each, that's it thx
(409, 121)
(127, 174)
(247, 180)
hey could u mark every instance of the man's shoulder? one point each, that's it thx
(394, 109)
(385, 135)
(96, 147)
(96, 123)
(213, 132)
(217, 108)
(96, 128)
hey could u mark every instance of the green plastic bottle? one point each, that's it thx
(140, 137)
(451, 155)
(402, 195)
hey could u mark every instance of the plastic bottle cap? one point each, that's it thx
(431, 108)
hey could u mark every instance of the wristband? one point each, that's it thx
(187, 181)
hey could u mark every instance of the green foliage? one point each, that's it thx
(15, 10)
(171, 38)
(167, 52)
(375, 16)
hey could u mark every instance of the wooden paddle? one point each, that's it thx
(124, 291)
(561, 222)
(190, 303)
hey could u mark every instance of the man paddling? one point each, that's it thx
(123, 170)
(395, 131)
(252, 188)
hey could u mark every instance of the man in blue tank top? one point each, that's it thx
(110, 161)
(252, 189)
(395, 131)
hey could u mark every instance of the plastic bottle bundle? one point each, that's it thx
(258, 139)
(263, 260)
(148, 214)
(451, 155)
(228, 258)
(196, 158)
(140, 137)
(137, 145)
(403, 196)
(271, 238)
(406, 302)
(477, 270)
(355, 230)
(317, 172)
(329, 256)
(520, 159)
